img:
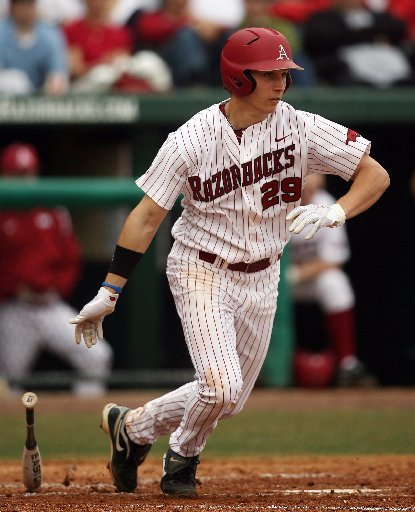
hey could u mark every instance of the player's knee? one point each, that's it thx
(232, 393)
(221, 392)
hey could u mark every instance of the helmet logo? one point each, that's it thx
(282, 53)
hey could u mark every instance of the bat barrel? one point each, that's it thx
(31, 461)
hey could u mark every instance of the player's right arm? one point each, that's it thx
(136, 235)
(138, 231)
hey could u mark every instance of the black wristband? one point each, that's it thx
(124, 261)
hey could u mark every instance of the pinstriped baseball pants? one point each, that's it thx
(227, 319)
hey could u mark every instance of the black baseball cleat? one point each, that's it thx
(126, 456)
(179, 475)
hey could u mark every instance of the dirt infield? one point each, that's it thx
(312, 483)
(300, 484)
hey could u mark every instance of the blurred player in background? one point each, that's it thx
(39, 266)
(317, 276)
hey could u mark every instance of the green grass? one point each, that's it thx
(389, 431)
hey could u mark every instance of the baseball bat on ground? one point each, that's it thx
(31, 461)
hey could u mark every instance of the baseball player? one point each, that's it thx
(240, 166)
(317, 276)
(39, 266)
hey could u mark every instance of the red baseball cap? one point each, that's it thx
(19, 160)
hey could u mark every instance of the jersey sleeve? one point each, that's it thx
(333, 148)
(164, 180)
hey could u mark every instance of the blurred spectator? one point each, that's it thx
(63, 11)
(32, 53)
(351, 45)
(60, 11)
(190, 46)
(317, 276)
(298, 11)
(39, 266)
(217, 14)
(214, 21)
(54, 11)
(257, 14)
(92, 40)
(122, 10)
(100, 55)
(377, 5)
(405, 10)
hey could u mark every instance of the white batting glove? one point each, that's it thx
(317, 216)
(89, 320)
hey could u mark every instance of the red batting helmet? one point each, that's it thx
(258, 49)
(19, 160)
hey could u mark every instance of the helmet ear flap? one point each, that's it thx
(249, 76)
(239, 82)
(289, 80)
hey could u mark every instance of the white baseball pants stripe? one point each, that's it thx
(227, 319)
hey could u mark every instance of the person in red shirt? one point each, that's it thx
(298, 11)
(39, 267)
(92, 40)
(405, 10)
(101, 56)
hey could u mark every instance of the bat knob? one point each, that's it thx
(29, 400)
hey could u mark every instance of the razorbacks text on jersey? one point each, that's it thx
(237, 195)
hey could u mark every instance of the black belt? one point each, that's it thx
(256, 266)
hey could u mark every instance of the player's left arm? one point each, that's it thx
(370, 181)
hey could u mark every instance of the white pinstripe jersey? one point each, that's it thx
(237, 195)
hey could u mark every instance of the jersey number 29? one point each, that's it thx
(289, 189)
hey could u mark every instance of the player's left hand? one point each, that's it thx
(89, 321)
(317, 216)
